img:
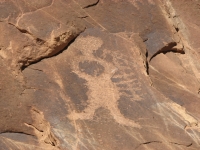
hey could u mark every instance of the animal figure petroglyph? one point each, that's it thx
(102, 91)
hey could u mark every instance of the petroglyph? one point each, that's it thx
(102, 91)
(126, 77)
(128, 84)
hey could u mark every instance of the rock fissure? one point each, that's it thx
(24, 31)
(188, 145)
(91, 5)
(170, 47)
(52, 49)
(177, 45)
(147, 63)
(32, 126)
(13, 132)
(42, 128)
(83, 17)
(160, 142)
(36, 69)
(146, 143)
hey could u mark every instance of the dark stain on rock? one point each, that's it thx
(76, 89)
(122, 85)
(128, 108)
(116, 80)
(109, 58)
(127, 92)
(128, 71)
(103, 54)
(98, 53)
(92, 68)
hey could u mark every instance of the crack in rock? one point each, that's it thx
(52, 50)
(40, 49)
(91, 5)
(149, 142)
(170, 47)
(27, 33)
(181, 144)
(42, 128)
(13, 132)
(177, 45)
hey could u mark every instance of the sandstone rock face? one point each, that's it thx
(99, 75)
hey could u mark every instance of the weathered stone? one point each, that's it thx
(99, 74)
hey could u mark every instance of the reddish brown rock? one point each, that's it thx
(98, 74)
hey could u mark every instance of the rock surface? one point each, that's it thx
(99, 74)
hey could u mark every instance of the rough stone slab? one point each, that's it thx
(99, 74)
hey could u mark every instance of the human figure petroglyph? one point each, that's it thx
(126, 76)
(102, 91)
